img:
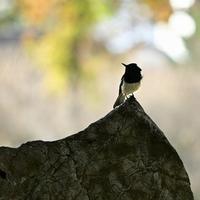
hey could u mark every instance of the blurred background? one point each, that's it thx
(60, 68)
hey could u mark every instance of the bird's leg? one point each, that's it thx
(128, 96)
(132, 95)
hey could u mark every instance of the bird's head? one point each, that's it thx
(132, 67)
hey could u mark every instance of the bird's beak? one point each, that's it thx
(123, 64)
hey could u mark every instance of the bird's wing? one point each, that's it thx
(120, 85)
(120, 98)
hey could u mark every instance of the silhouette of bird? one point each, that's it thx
(130, 82)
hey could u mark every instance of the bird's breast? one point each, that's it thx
(129, 88)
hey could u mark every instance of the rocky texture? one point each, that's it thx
(123, 156)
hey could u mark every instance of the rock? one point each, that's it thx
(123, 156)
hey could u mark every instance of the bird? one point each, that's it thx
(130, 82)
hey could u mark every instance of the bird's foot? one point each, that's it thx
(129, 95)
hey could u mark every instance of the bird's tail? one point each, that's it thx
(120, 99)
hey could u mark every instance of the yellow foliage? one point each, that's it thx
(56, 30)
(63, 24)
(35, 11)
(161, 9)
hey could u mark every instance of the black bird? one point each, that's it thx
(130, 82)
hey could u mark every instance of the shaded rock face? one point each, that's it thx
(123, 156)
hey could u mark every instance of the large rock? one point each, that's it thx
(123, 156)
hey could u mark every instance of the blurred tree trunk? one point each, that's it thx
(123, 156)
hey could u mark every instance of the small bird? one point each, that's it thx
(130, 82)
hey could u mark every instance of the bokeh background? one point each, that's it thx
(60, 68)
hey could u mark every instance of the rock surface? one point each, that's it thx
(123, 156)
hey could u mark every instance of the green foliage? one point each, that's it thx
(63, 31)
(9, 16)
